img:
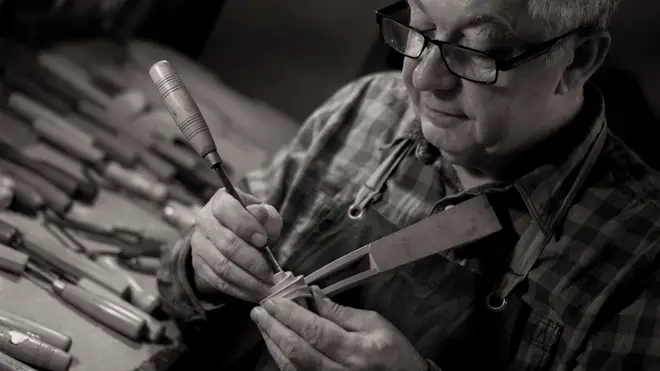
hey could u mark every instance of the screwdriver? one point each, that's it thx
(28, 349)
(190, 121)
(95, 306)
(8, 363)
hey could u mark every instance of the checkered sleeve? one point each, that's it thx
(629, 340)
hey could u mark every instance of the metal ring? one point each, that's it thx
(355, 213)
(491, 298)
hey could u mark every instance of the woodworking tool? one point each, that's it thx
(190, 121)
(31, 350)
(50, 336)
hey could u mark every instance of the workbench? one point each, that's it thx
(256, 133)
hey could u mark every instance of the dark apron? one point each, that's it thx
(459, 319)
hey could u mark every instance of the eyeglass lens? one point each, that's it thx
(465, 63)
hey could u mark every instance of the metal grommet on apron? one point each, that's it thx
(533, 240)
(373, 187)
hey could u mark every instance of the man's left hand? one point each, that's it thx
(337, 338)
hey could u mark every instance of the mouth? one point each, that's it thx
(436, 111)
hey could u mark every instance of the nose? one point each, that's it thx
(431, 73)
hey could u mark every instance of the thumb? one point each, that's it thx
(351, 319)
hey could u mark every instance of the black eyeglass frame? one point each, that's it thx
(501, 64)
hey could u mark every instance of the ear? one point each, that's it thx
(588, 53)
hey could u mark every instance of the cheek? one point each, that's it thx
(489, 112)
(407, 74)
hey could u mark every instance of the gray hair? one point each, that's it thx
(559, 16)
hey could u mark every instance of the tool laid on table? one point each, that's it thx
(101, 309)
(50, 336)
(8, 363)
(28, 349)
(62, 259)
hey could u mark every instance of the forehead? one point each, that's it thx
(452, 14)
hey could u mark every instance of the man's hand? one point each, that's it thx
(337, 338)
(224, 246)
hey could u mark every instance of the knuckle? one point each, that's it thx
(311, 331)
(289, 349)
(231, 245)
(220, 267)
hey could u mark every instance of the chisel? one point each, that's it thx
(8, 363)
(33, 351)
(50, 336)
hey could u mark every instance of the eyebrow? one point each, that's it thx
(497, 27)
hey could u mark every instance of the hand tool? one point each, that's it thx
(33, 351)
(178, 215)
(12, 261)
(50, 336)
(62, 259)
(155, 330)
(455, 227)
(66, 98)
(132, 242)
(96, 307)
(77, 146)
(7, 191)
(26, 199)
(143, 264)
(8, 363)
(55, 199)
(61, 180)
(140, 298)
(19, 136)
(189, 119)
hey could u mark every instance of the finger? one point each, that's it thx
(236, 218)
(294, 348)
(350, 319)
(280, 359)
(203, 249)
(233, 247)
(322, 334)
(246, 198)
(269, 218)
(208, 278)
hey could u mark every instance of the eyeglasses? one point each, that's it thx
(466, 63)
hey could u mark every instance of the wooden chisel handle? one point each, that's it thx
(101, 309)
(75, 75)
(116, 149)
(74, 265)
(12, 261)
(26, 199)
(50, 336)
(85, 152)
(139, 297)
(136, 182)
(154, 328)
(55, 199)
(33, 351)
(8, 363)
(33, 110)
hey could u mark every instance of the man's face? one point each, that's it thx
(469, 122)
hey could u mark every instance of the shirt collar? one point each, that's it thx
(546, 186)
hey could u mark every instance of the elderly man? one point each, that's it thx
(493, 100)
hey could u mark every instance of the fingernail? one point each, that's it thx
(258, 239)
(256, 312)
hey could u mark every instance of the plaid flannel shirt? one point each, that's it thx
(599, 278)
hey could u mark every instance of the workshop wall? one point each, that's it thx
(292, 54)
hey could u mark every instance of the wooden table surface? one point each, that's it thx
(253, 134)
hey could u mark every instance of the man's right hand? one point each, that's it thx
(225, 242)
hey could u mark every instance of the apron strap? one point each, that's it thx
(533, 241)
(373, 188)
